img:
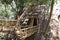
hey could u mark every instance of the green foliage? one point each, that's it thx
(6, 1)
(5, 11)
(20, 4)
(44, 2)
(55, 1)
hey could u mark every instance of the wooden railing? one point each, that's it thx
(7, 22)
(26, 32)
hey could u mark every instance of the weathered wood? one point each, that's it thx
(7, 22)
(28, 32)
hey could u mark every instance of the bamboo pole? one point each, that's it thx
(51, 10)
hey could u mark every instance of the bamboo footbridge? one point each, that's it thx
(22, 31)
(27, 24)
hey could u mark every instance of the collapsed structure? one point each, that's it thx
(33, 20)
